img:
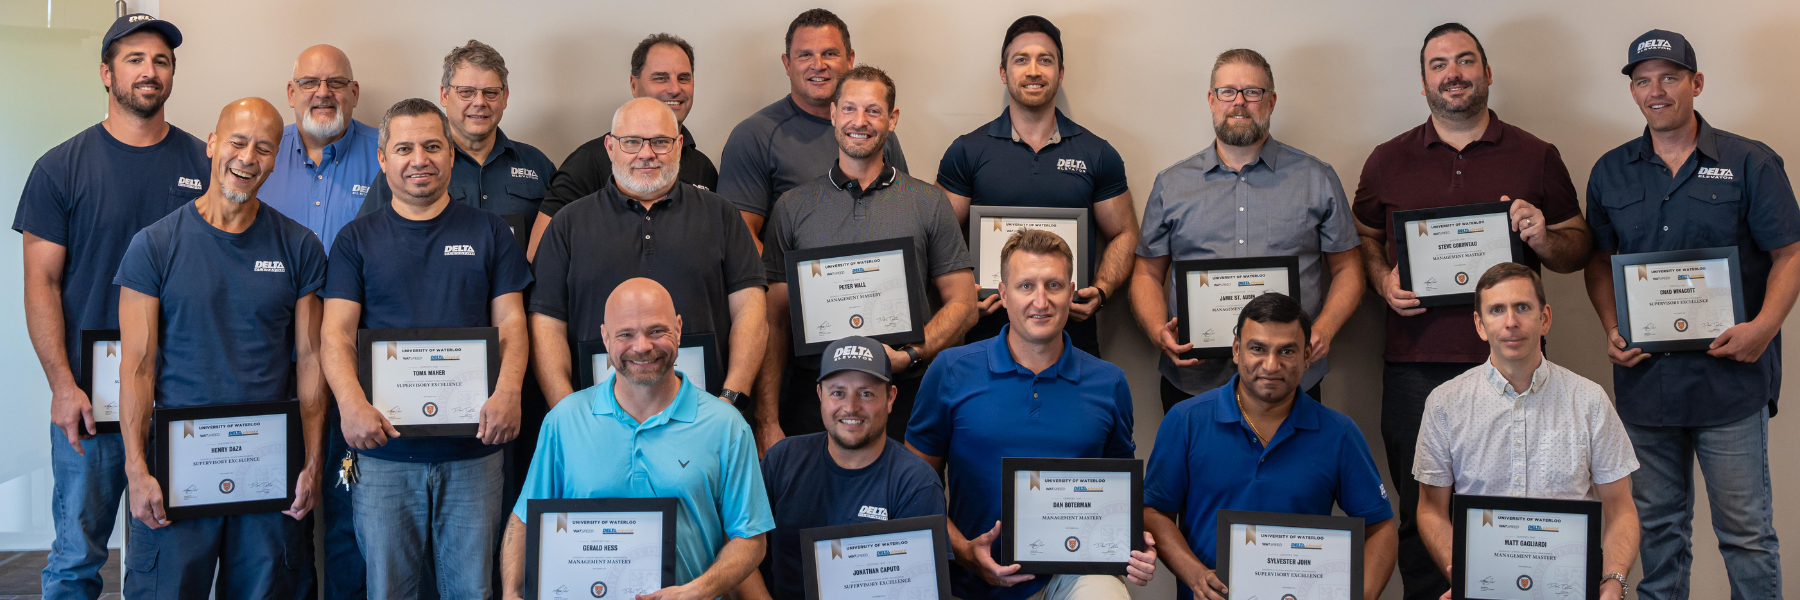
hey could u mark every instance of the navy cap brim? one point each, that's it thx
(167, 29)
(872, 372)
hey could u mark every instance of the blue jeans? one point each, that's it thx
(84, 504)
(416, 518)
(343, 560)
(255, 557)
(1734, 458)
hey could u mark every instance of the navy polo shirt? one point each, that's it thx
(1732, 191)
(976, 405)
(510, 183)
(1206, 459)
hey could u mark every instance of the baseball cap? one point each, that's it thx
(1663, 44)
(136, 22)
(856, 353)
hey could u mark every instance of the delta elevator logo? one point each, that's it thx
(872, 512)
(858, 352)
(138, 18)
(459, 250)
(524, 173)
(1714, 173)
(881, 553)
(1658, 44)
(359, 190)
(1071, 165)
(188, 182)
(270, 266)
(1089, 488)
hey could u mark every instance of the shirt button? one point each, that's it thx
(315, 204)
(646, 237)
(1240, 209)
(1034, 394)
(646, 217)
(321, 177)
(484, 196)
(1459, 156)
(1665, 228)
(1459, 172)
(1240, 241)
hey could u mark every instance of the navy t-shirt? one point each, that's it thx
(227, 321)
(440, 272)
(808, 489)
(90, 194)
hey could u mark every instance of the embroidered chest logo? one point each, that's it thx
(1714, 173)
(188, 182)
(359, 190)
(270, 266)
(459, 250)
(683, 463)
(872, 512)
(1071, 165)
(522, 173)
(1648, 45)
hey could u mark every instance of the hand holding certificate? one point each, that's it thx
(1279, 555)
(1524, 548)
(1442, 252)
(228, 459)
(902, 559)
(1679, 300)
(100, 376)
(991, 226)
(599, 547)
(429, 382)
(1071, 515)
(871, 289)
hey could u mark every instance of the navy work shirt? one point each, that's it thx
(510, 183)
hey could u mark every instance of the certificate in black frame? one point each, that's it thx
(1398, 220)
(699, 342)
(979, 212)
(1224, 519)
(367, 338)
(1183, 296)
(915, 290)
(1461, 504)
(940, 545)
(89, 337)
(296, 455)
(1004, 552)
(1621, 264)
(535, 509)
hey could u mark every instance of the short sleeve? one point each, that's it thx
(745, 507)
(344, 270)
(1166, 473)
(743, 267)
(582, 173)
(1367, 203)
(929, 428)
(508, 270)
(1118, 442)
(744, 170)
(310, 258)
(918, 493)
(1360, 490)
(1156, 235)
(943, 239)
(893, 154)
(1560, 202)
(954, 173)
(1610, 452)
(775, 247)
(550, 297)
(1774, 217)
(141, 268)
(1606, 239)
(43, 208)
(1431, 455)
(378, 195)
(543, 480)
(1337, 232)
(1109, 180)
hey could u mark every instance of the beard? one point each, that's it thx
(647, 376)
(665, 175)
(234, 197)
(1475, 104)
(1048, 98)
(874, 144)
(329, 129)
(127, 97)
(871, 430)
(1240, 134)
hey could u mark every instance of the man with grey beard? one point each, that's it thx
(644, 223)
(1245, 195)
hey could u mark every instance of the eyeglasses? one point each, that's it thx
(467, 92)
(634, 144)
(307, 84)
(1225, 94)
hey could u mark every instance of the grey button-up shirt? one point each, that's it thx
(1287, 203)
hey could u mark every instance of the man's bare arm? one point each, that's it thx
(956, 316)
(958, 204)
(755, 222)
(1619, 533)
(1381, 547)
(140, 316)
(774, 366)
(1173, 548)
(70, 409)
(550, 353)
(1566, 245)
(736, 560)
(310, 385)
(749, 337)
(512, 559)
(1434, 524)
(500, 414)
(537, 235)
(1117, 220)
(1341, 298)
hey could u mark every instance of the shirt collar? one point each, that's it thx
(334, 151)
(1002, 128)
(1000, 358)
(502, 144)
(1304, 414)
(843, 181)
(1491, 135)
(683, 408)
(612, 191)
(1271, 150)
(1539, 377)
(1706, 141)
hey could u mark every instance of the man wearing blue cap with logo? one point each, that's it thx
(1685, 185)
(92, 193)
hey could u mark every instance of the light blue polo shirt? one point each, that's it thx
(698, 451)
(323, 196)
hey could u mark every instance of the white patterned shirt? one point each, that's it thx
(1557, 440)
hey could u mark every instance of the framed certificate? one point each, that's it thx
(991, 226)
(228, 459)
(871, 289)
(99, 376)
(1506, 548)
(697, 359)
(1677, 300)
(1070, 515)
(1280, 555)
(901, 559)
(1444, 251)
(599, 547)
(1209, 294)
(429, 382)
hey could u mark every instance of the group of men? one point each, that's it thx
(436, 218)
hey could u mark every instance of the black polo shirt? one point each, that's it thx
(693, 242)
(993, 166)
(1732, 191)
(510, 183)
(589, 168)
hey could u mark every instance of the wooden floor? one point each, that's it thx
(20, 571)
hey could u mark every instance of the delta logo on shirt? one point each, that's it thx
(1648, 45)
(1071, 165)
(1714, 173)
(270, 266)
(523, 173)
(872, 512)
(359, 190)
(459, 250)
(188, 182)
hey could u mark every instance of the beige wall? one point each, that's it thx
(1346, 74)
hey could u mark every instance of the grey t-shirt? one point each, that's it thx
(779, 148)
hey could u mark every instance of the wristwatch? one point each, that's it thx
(1623, 587)
(916, 359)
(732, 396)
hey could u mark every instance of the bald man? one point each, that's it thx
(217, 306)
(645, 223)
(648, 431)
(326, 159)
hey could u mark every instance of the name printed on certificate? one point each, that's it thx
(1448, 255)
(233, 459)
(893, 566)
(862, 295)
(599, 555)
(103, 391)
(429, 381)
(997, 230)
(1072, 516)
(1215, 298)
(1269, 561)
(1679, 300)
(1524, 555)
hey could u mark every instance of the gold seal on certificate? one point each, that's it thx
(902, 559)
(1524, 548)
(1280, 555)
(1209, 294)
(697, 360)
(1442, 252)
(1677, 300)
(227, 459)
(599, 547)
(871, 289)
(1070, 515)
(100, 376)
(429, 382)
(991, 226)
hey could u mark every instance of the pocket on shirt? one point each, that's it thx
(179, 196)
(1562, 458)
(1625, 209)
(1713, 214)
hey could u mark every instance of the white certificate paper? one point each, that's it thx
(1072, 516)
(1216, 297)
(690, 361)
(1290, 562)
(862, 295)
(999, 229)
(1448, 255)
(1525, 555)
(103, 391)
(599, 555)
(233, 459)
(894, 566)
(429, 382)
(1679, 300)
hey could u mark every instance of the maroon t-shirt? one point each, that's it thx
(1418, 170)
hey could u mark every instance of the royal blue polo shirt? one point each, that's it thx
(976, 405)
(1207, 459)
(511, 183)
(1732, 192)
(323, 196)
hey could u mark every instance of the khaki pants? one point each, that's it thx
(1083, 587)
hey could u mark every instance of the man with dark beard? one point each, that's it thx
(1245, 195)
(1463, 154)
(327, 158)
(92, 193)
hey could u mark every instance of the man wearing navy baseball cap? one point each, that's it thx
(1685, 185)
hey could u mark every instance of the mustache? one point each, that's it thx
(1450, 83)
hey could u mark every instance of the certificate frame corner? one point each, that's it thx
(1354, 526)
(1083, 236)
(1179, 271)
(160, 463)
(1396, 223)
(1622, 305)
(1007, 554)
(915, 289)
(1460, 504)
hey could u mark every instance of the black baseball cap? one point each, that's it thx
(1663, 44)
(856, 353)
(136, 22)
